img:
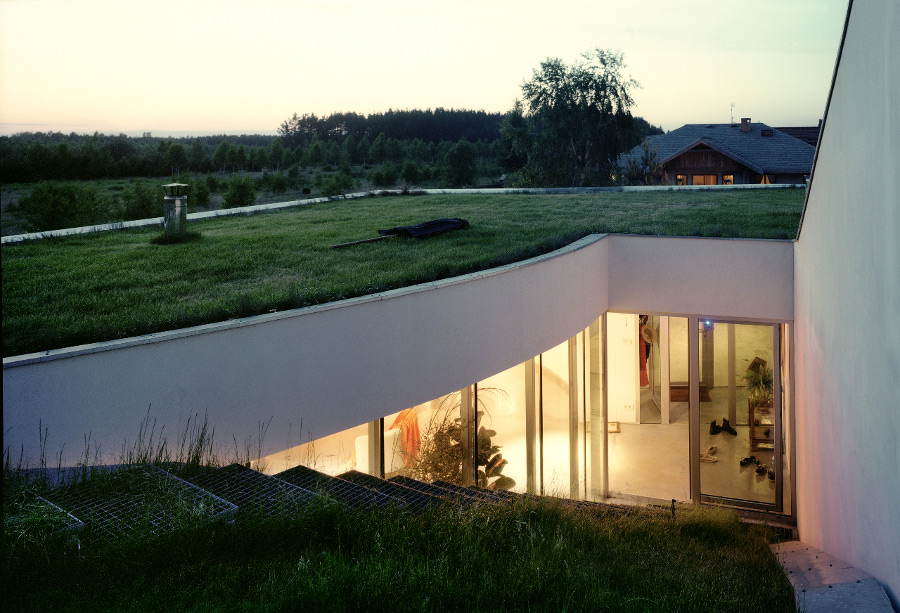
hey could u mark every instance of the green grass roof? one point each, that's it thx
(67, 291)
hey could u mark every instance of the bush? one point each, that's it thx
(385, 175)
(199, 195)
(337, 183)
(212, 182)
(141, 200)
(53, 205)
(241, 191)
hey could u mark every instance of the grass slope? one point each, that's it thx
(67, 291)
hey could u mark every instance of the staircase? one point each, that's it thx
(144, 499)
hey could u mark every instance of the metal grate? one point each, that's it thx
(414, 500)
(38, 514)
(465, 491)
(253, 492)
(138, 499)
(351, 494)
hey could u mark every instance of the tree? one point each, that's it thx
(176, 156)
(578, 120)
(461, 164)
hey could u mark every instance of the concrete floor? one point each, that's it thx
(651, 460)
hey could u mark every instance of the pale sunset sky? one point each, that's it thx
(236, 66)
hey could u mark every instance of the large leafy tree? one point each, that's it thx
(573, 121)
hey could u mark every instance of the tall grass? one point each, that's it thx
(527, 556)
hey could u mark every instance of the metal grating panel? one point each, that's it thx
(37, 514)
(351, 494)
(415, 501)
(253, 492)
(138, 499)
(465, 491)
(454, 497)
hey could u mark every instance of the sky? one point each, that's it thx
(239, 66)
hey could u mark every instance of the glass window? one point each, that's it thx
(502, 425)
(680, 179)
(727, 179)
(333, 454)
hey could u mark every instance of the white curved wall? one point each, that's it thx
(342, 364)
(331, 367)
(848, 309)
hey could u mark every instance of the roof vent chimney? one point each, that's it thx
(745, 124)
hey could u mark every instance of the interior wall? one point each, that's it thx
(622, 364)
(847, 306)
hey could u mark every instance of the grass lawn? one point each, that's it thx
(530, 555)
(67, 291)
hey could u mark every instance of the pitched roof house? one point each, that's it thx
(725, 154)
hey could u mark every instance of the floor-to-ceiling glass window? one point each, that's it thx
(739, 414)
(647, 460)
(503, 430)
(555, 443)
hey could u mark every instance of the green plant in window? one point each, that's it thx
(441, 453)
(759, 381)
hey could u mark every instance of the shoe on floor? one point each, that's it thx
(727, 427)
(714, 428)
(771, 475)
(761, 469)
(746, 461)
(712, 450)
(705, 457)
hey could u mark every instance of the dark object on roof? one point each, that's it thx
(429, 228)
(808, 134)
(744, 143)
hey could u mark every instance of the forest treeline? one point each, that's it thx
(413, 139)
(307, 140)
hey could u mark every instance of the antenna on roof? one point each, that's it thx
(732, 113)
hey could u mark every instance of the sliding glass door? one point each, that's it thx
(740, 413)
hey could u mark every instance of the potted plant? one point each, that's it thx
(759, 381)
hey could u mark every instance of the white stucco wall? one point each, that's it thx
(847, 309)
(331, 367)
(725, 278)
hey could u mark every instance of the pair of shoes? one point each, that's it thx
(714, 428)
(749, 460)
(771, 475)
(726, 427)
(706, 457)
(712, 450)
(761, 470)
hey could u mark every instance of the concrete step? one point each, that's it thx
(824, 583)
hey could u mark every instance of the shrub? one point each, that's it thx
(53, 205)
(141, 200)
(241, 191)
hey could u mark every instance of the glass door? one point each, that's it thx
(739, 406)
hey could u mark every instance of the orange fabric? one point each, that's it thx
(408, 422)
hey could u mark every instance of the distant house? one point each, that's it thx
(808, 134)
(726, 154)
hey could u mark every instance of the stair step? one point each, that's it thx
(254, 492)
(132, 499)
